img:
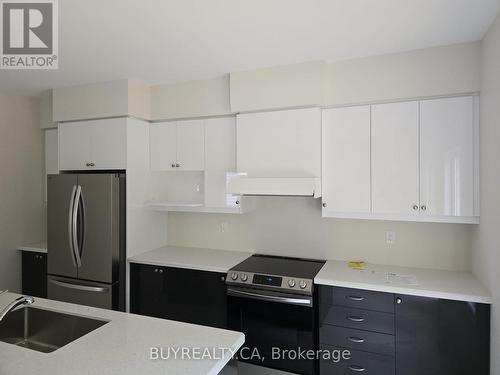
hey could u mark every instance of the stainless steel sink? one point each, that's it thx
(44, 330)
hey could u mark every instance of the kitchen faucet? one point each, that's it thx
(23, 300)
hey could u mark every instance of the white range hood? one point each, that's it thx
(278, 153)
(277, 186)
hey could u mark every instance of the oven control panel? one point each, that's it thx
(270, 281)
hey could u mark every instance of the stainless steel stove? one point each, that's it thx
(272, 300)
(292, 275)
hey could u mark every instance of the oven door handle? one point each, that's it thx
(296, 300)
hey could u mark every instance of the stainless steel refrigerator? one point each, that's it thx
(86, 239)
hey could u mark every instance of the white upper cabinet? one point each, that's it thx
(447, 131)
(178, 145)
(93, 145)
(394, 156)
(414, 161)
(280, 143)
(346, 161)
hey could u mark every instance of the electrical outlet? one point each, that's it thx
(223, 227)
(390, 237)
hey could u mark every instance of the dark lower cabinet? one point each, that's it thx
(34, 274)
(441, 337)
(389, 334)
(190, 296)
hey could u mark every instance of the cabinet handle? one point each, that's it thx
(399, 301)
(356, 319)
(415, 207)
(90, 164)
(423, 207)
(355, 298)
(177, 165)
(357, 340)
(172, 165)
(237, 202)
(324, 204)
(356, 368)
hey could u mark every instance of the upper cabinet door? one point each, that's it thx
(395, 158)
(74, 145)
(447, 138)
(220, 158)
(163, 146)
(346, 160)
(93, 145)
(191, 145)
(108, 143)
(280, 143)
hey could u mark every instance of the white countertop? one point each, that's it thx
(454, 285)
(192, 258)
(120, 347)
(38, 247)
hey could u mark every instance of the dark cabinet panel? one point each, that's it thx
(34, 274)
(360, 319)
(191, 296)
(146, 290)
(356, 339)
(441, 337)
(358, 362)
(358, 298)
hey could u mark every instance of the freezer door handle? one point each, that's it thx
(74, 226)
(79, 287)
(70, 225)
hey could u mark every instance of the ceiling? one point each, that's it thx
(163, 41)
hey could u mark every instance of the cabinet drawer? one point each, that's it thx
(360, 319)
(361, 299)
(358, 363)
(372, 342)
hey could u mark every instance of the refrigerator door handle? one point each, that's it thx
(74, 227)
(70, 225)
(83, 226)
(79, 287)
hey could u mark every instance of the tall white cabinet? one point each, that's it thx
(447, 157)
(395, 158)
(415, 160)
(346, 161)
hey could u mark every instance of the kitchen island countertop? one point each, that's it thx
(121, 347)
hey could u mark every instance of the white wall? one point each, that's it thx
(190, 99)
(421, 73)
(278, 87)
(294, 227)
(21, 187)
(428, 72)
(486, 252)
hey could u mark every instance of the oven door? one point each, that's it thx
(274, 323)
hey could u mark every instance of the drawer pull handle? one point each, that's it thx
(357, 340)
(355, 298)
(356, 368)
(356, 319)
